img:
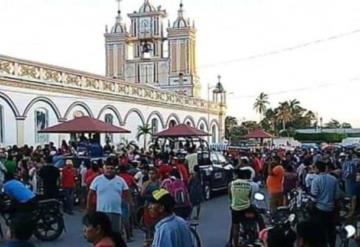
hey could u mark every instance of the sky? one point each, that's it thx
(303, 49)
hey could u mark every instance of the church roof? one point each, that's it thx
(147, 7)
(119, 26)
(180, 22)
(219, 88)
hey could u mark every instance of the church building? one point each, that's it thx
(144, 53)
(151, 78)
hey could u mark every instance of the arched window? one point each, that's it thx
(1, 124)
(202, 127)
(172, 123)
(188, 123)
(41, 122)
(109, 118)
(78, 114)
(154, 125)
(213, 134)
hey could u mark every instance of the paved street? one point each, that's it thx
(213, 228)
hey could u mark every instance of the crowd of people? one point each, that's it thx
(166, 189)
(327, 175)
(118, 185)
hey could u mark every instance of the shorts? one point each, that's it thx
(238, 216)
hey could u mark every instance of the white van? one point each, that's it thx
(350, 141)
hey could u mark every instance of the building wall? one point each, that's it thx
(63, 106)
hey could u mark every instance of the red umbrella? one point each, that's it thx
(84, 125)
(181, 130)
(258, 134)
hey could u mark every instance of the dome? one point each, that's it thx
(147, 7)
(119, 26)
(219, 88)
(180, 21)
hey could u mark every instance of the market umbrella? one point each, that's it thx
(84, 124)
(181, 130)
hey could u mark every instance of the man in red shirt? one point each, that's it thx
(68, 184)
(164, 170)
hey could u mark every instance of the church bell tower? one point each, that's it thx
(182, 54)
(116, 48)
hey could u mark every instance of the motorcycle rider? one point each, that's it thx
(23, 200)
(240, 197)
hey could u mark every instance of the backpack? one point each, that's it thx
(166, 184)
(180, 193)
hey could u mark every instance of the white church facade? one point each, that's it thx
(34, 96)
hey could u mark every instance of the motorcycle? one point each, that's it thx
(251, 224)
(47, 215)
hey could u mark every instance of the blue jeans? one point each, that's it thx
(69, 199)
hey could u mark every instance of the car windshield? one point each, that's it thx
(221, 158)
(214, 157)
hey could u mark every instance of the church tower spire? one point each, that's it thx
(182, 54)
(116, 48)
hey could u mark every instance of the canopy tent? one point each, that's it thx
(261, 134)
(181, 130)
(84, 125)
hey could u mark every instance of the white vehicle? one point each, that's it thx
(350, 141)
(284, 142)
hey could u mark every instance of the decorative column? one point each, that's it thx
(20, 131)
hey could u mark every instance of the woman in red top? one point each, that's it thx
(98, 231)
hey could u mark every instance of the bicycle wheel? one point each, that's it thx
(195, 238)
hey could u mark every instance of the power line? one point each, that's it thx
(265, 54)
(286, 49)
(323, 85)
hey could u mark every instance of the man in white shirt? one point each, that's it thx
(109, 190)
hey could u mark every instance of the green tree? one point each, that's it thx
(309, 117)
(346, 125)
(284, 113)
(333, 124)
(230, 123)
(269, 121)
(144, 130)
(250, 125)
(261, 103)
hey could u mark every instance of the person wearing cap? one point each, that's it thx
(170, 230)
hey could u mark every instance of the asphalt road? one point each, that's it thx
(213, 228)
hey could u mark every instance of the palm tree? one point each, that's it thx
(284, 114)
(230, 123)
(333, 124)
(144, 130)
(309, 117)
(261, 103)
(346, 125)
(270, 115)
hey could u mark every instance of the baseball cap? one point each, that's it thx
(163, 197)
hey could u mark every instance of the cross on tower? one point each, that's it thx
(119, 2)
